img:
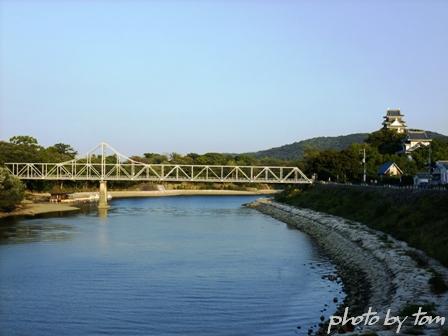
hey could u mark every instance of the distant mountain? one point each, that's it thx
(296, 150)
(435, 135)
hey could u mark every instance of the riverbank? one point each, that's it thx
(33, 209)
(418, 217)
(378, 271)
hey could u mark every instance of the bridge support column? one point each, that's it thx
(102, 204)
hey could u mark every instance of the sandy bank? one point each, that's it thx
(377, 270)
(32, 209)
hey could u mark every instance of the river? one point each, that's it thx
(195, 265)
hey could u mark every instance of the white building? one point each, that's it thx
(389, 169)
(415, 139)
(441, 171)
(422, 179)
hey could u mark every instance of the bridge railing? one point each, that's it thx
(134, 171)
(96, 166)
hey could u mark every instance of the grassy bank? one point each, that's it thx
(418, 217)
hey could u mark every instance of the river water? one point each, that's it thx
(196, 265)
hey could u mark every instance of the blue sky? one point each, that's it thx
(226, 76)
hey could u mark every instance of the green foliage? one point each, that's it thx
(439, 149)
(23, 140)
(381, 146)
(297, 150)
(330, 158)
(339, 158)
(154, 158)
(420, 218)
(63, 149)
(27, 149)
(386, 141)
(11, 191)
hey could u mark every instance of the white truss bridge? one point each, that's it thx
(104, 163)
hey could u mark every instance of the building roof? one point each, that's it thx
(417, 135)
(394, 113)
(384, 168)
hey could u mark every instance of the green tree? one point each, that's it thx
(11, 191)
(439, 148)
(155, 158)
(386, 141)
(23, 140)
(63, 149)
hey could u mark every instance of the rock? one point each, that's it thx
(374, 274)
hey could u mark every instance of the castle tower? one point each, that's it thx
(393, 120)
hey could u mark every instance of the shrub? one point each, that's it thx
(11, 191)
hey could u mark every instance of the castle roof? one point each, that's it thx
(394, 113)
(417, 135)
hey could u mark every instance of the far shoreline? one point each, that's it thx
(27, 209)
(188, 192)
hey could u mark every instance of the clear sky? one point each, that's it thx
(226, 76)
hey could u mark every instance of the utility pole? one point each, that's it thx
(429, 162)
(364, 176)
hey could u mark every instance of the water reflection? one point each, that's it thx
(42, 227)
(102, 213)
(34, 231)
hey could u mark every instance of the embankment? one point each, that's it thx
(377, 270)
(418, 217)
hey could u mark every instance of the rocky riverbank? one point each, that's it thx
(377, 270)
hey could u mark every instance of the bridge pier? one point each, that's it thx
(102, 204)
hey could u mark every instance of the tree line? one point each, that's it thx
(334, 165)
(380, 147)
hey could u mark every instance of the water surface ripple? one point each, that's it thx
(161, 266)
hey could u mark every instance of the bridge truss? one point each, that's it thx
(104, 163)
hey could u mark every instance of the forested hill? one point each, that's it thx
(296, 150)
